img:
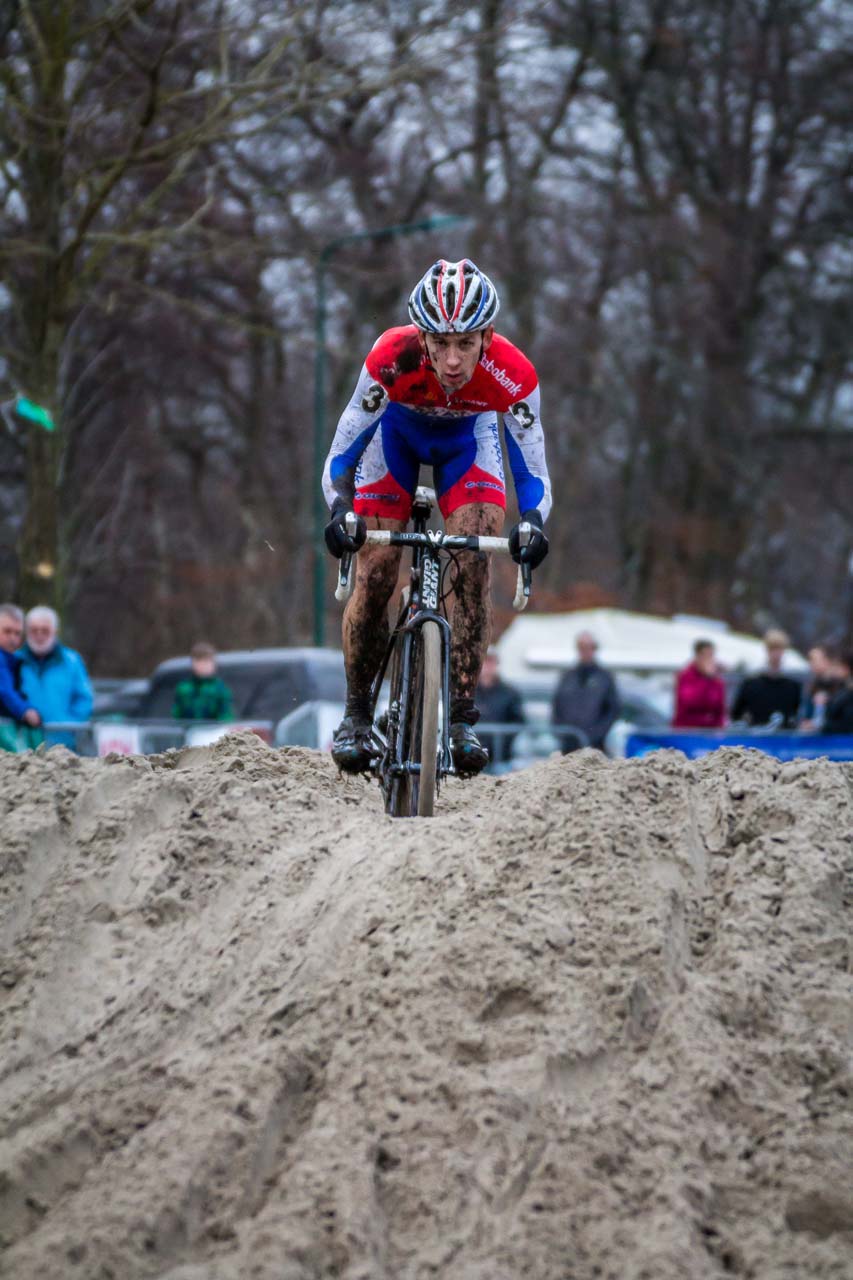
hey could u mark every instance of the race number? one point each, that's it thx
(373, 398)
(523, 414)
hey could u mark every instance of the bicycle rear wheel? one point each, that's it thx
(413, 794)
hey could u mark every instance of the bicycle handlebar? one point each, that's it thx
(448, 541)
(437, 538)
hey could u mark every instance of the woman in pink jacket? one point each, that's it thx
(700, 692)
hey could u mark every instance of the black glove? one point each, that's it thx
(338, 540)
(537, 548)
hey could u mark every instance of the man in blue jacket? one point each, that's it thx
(53, 677)
(13, 706)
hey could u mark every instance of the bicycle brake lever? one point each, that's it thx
(522, 588)
(525, 572)
(343, 590)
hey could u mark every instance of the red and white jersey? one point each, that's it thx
(503, 376)
(398, 372)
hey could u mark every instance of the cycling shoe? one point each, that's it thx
(353, 748)
(469, 754)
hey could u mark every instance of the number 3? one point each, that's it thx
(521, 413)
(373, 397)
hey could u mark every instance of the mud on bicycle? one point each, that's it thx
(412, 737)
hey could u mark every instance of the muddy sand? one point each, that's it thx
(593, 1020)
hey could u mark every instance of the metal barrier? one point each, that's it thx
(77, 735)
(131, 737)
(313, 723)
(310, 725)
(526, 743)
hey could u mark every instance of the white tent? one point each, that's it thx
(542, 644)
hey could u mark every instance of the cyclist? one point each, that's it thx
(430, 393)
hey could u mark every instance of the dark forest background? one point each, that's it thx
(662, 191)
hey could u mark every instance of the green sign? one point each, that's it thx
(33, 412)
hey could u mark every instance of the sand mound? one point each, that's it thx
(594, 1020)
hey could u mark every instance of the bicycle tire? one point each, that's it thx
(394, 786)
(412, 795)
(403, 798)
(429, 689)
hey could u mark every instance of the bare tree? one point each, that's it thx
(116, 121)
(733, 119)
(661, 191)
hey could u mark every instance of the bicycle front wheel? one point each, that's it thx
(430, 696)
(413, 794)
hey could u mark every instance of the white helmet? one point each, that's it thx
(453, 297)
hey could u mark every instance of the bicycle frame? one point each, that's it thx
(422, 604)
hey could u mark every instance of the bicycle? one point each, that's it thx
(412, 737)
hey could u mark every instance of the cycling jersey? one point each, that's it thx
(401, 417)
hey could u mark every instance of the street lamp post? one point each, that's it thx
(320, 441)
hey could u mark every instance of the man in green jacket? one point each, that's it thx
(202, 696)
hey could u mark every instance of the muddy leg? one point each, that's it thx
(472, 609)
(365, 623)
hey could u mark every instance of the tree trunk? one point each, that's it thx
(38, 547)
(41, 569)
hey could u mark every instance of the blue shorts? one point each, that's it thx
(464, 453)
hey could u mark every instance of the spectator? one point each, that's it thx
(13, 705)
(700, 691)
(499, 703)
(203, 695)
(838, 716)
(53, 677)
(820, 687)
(586, 697)
(770, 694)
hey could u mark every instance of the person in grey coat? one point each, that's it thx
(586, 697)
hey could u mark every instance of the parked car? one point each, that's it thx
(116, 697)
(645, 705)
(265, 684)
(311, 725)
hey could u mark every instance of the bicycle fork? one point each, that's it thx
(446, 760)
(400, 765)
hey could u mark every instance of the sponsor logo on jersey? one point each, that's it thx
(500, 375)
(483, 484)
(438, 411)
(378, 497)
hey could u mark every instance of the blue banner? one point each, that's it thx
(784, 746)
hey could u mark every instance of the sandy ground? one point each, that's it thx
(594, 1020)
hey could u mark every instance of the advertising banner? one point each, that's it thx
(784, 746)
(117, 739)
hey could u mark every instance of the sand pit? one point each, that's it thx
(593, 1020)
